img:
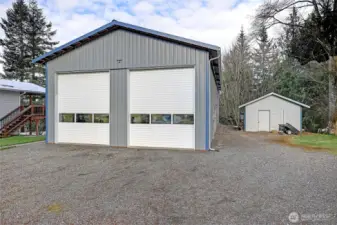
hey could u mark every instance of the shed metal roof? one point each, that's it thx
(276, 95)
(17, 86)
(114, 25)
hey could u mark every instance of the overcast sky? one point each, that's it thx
(216, 22)
(213, 21)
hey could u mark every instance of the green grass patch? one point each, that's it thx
(17, 140)
(317, 141)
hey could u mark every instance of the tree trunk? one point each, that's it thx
(332, 88)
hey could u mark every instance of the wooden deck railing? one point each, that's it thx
(19, 116)
(10, 116)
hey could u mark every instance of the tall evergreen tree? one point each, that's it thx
(39, 35)
(264, 59)
(27, 35)
(243, 47)
(242, 50)
(236, 80)
(288, 39)
(16, 60)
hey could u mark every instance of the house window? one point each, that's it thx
(140, 118)
(83, 118)
(67, 117)
(183, 119)
(161, 118)
(101, 118)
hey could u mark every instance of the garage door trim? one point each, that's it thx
(129, 72)
(106, 105)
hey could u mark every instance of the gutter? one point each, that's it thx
(207, 100)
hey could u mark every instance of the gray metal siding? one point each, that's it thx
(134, 50)
(9, 100)
(125, 50)
(118, 107)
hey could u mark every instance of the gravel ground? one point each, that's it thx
(250, 181)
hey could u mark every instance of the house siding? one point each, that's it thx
(119, 52)
(281, 112)
(9, 100)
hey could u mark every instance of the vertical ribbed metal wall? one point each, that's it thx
(119, 52)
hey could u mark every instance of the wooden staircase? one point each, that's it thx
(17, 118)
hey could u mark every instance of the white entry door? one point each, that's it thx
(161, 108)
(83, 106)
(264, 120)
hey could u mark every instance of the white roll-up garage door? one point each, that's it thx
(161, 108)
(83, 106)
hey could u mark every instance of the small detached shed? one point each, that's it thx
(267, 112)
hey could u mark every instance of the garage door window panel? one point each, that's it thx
(101, 118)
(161, 118)
(140, 118)
(67, 117)
(83, 118)
(183, 119)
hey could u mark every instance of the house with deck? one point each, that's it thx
(16, 113)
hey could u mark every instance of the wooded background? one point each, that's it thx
(299, 63)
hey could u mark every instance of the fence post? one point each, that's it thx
(37, 127)
(31, 114)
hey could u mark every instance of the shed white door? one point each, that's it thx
(161, 108)
(83, 105)
(264, 120)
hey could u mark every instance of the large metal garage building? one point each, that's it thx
(128, 86)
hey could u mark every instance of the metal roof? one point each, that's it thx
(276, 95)
(17, 86)
(114, 25)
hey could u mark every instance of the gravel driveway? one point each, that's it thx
(250, 181)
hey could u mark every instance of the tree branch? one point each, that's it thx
(314, 2)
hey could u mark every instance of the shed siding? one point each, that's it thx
(119, 52)
(292, 113)
(9, 100)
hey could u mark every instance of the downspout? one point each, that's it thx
(46, 105)
(207, 103)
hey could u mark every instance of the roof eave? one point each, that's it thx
(23, 91)
(216, 69)
(277, 95)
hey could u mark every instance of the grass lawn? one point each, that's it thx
(16, 140)
(317, 141)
